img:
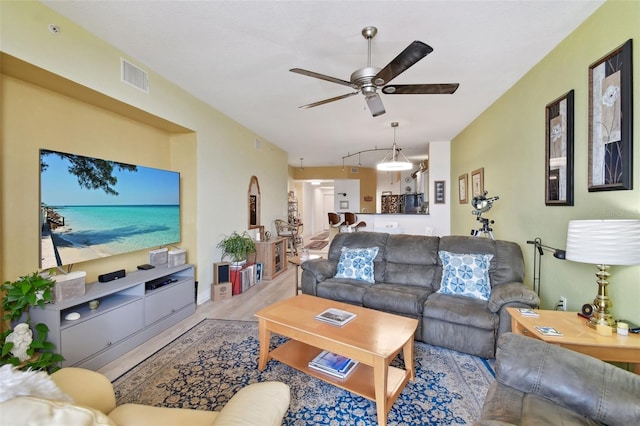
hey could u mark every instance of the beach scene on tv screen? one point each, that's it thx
(92, 208)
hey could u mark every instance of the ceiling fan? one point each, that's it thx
(369, 79)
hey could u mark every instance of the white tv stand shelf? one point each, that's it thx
(128, 315)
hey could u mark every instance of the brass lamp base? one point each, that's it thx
(602, 303)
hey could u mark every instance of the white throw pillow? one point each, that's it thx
(357, 264)
(15, 382)
(465, 274)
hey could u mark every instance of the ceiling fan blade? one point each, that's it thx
(420, 89)
(375, 104)
(409, 56)
(326, 101)
(322, 77)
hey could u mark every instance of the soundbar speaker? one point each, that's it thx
(110, 276)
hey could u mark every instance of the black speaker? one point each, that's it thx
(110, 276)
(220, 273)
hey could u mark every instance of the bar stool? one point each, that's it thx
(351, 221)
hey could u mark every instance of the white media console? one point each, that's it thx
(127, 316)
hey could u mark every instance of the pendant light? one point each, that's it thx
(395, 160)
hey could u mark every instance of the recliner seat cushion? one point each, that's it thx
(460, 310)
(396, 298)
(344, 290)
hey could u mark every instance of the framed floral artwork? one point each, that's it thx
(463, 198)
(477, 182)
(610, 121)
(559, 151)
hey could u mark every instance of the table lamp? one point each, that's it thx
(603, 243)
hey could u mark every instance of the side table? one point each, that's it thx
(579, 337)
(297, 260)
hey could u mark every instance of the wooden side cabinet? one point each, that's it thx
(273, 256)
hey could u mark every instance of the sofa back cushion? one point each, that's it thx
(359, 240)
(507, 264)
(412, 260)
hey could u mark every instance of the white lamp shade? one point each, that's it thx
(604, 242)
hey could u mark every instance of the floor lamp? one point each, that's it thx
(537, 260)
(603, 243)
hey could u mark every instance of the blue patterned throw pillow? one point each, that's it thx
(357, 264)
(465, 274)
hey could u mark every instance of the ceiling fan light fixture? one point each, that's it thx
(395, 160)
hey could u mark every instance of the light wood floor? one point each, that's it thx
(240, 307)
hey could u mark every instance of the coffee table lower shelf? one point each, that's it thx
(361, 381)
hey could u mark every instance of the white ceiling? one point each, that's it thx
(236, 56)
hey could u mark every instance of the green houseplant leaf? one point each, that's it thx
(237, 246)
(19, 297)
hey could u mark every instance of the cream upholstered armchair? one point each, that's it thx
(94, 403)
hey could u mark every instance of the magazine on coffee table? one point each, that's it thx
(335, 316)
(548, 331)
(336, 365)
(528, 312)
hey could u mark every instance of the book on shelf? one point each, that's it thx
(548, 331)
(335, 316)
(336, 365)
(528, 312)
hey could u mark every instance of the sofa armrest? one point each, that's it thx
(315, 271)
(321, 269)
(593, 388)
(257, 404)
(86, 387)
(512, 292)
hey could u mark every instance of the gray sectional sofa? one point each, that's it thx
(407, 272)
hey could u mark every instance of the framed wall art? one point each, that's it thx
(463, 188)
(610, 121)
(559, 152)
(344, 205)
(439, 190)
(477, 182)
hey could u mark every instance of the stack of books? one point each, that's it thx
(333, 364)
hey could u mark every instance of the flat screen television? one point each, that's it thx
(92, 208)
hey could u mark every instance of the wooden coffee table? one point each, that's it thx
(373, 338)
(579, 337)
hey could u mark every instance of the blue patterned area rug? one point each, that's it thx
(206, 366)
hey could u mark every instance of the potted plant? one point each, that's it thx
(237, 246)
(23, 344)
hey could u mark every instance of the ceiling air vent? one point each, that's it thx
(134, 75)
(355, 170)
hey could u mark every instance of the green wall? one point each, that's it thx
(508, 140)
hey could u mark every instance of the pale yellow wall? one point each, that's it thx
(508, 140)
(218, 167)
(36, 118)
(366, 175)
